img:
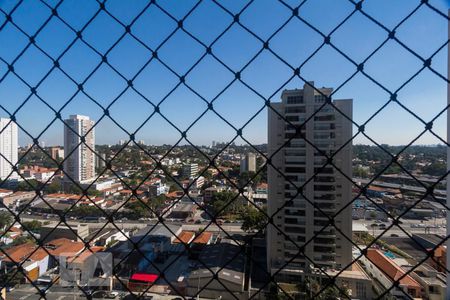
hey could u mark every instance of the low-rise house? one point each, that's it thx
(185, 237)
(208, 193)
(386, 271)
(5, 192)
(183, 211)
(33, 260)
(17, 198)
(13, 233)
(439, 259)
(39, 173)
(62, 247)
(434, 283)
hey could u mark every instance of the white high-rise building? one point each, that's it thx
(80, 161)
(190, 170)
(248, 163)
(301, 163)
(8, 148)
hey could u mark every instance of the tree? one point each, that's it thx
(435, 169)
(23, 240)
(53, 187)
(313, 290)
(223, 202)
(157, 203)
(12, 278)
(253, 220)
(5, 219)
(33, 226)
(360, 172)
(29, 185)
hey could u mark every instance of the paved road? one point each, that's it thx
(407, 226)
(129, 224)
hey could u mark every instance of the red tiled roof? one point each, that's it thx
(63, 246)
(21, 252)
(390, 268)
(185, 237)
(203, 238)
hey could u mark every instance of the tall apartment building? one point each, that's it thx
(248, 163)
(80, 161)
(8, 148)
(190, 170)
(57, 153)
(299, 161)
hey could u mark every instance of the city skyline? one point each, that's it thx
(425, 95)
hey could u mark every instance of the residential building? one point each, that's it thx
(208, 193)
(300, 175)
(100, 161)
(34, 262)
(248, 163)
(8, 148)
(433, 283)
(79, 146)
(190, 170)
(185, 237)
(57, 153)
(39, 173)
(386, 271)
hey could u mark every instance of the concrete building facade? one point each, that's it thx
(248, 163)
(8, 148)
(297, 154)
(80, 161)
(190, 170)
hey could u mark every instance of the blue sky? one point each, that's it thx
(424, 32)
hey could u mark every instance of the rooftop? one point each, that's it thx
(203, 238)
(24, 252)
(390, 268)
(63, 246)
(185, 237)
(226, 257)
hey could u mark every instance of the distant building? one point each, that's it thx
(248, 163)
(80, 161)
(190, 170)
(208, 193)
(100, 161)
(8, 148)
(17, 198)
(39, 173)
(57, 153)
